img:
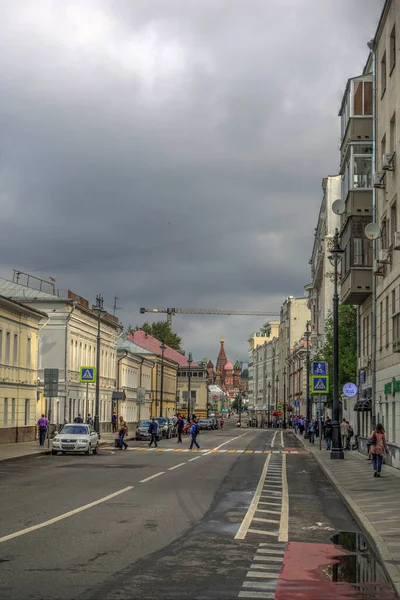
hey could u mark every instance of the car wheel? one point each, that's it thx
(89, 451)
(54, 452)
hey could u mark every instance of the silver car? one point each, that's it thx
(76, 437)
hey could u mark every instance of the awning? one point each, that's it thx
(363, 405)
(118, 396)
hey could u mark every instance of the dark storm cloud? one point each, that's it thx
(172, 151)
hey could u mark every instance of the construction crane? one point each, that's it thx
(170, 312)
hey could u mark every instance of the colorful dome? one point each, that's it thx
(238, 366)
(228, 366)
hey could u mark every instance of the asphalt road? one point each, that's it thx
(178, 524)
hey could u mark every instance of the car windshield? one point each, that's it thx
(144, 423)
(161, 420)
(75, 429)
(203, 421)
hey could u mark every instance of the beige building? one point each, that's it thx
(134, 370)
(19, 332)
(264, 357)
(198, 389)
(297, 373)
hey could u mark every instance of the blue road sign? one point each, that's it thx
(88, 374)
(296, 404)
(320, 384)
(319, 368)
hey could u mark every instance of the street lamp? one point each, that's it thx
(163, 348)
(307, 335)
(284, 398)
(98, 310)
(269, 404)
(334, 258)
(190, 360)
(276, 392)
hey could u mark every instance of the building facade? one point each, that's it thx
(19, 395)
(134, 370)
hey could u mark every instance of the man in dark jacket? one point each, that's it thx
(153, 428)
(328, 433)
(179, 428)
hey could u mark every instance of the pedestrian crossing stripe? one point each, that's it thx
(216, 451)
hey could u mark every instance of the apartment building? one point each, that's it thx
(263, 351)
(256, 339)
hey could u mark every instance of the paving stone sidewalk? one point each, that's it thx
(374, 502)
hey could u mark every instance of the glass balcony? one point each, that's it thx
(356, 107)
(356, 169)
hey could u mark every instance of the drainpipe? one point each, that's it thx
(140, 385)
(118, 379)
(66, 358)
(358, 369)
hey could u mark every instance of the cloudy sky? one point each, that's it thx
(172, 151)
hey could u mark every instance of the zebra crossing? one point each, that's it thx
(261, 580)
(214, 451)
(267, 515)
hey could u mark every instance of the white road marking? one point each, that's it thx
(262, 520)
(258, 451)
(277, 547)
(268, 559)
(282, 444)
(257, 595)
(168, 449)
(244, 527)
(176, 466)
(239, 451)
(270, 512)
(195, 458)
(284, 526)
(261, 585)
(273, 439)
(262, 575)
(261, 567)
(152, 477)
(70, 513)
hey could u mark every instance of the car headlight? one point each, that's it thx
(56, 441)
(82, 441)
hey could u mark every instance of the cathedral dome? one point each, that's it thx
(228, 366)
(238, 366)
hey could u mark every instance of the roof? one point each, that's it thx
(16, 291)
(237, 366)
(125, 344)
(24, 308)
(210, 365)
(228, 366)
(148, 342)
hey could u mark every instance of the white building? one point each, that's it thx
(134, 371)
(264, 357)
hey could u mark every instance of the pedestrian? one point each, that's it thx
(89, 419)
(350, 434)
(179, 428)
(311, 431)
(194, 432)
(42, 424)
(114, 420)
(378, 447)
(221, 424)
(344, 433)
(328, 433)
(78, 419)
(301, 426)
(153, 428)
(122, 431)
(296, 425)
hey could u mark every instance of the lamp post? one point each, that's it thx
(190, 360)
(269, 404)
(239, 404)
(163, 348)
(307, 335)
(98, 310)
(276, 392)
(284, 398)
(335, 256)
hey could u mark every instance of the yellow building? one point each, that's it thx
(198, 390)
(19, 327)
(163, 387)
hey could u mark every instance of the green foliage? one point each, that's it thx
(162, 331)
(347, 347)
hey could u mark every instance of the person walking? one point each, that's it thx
(42, 424)
(311, 431)
(328, 433)
(344, 433)
(179, 428)
(89, 419)
(122, 429)
(78, 419)
(194, 431)
(350, 434)
(378, 447)
(153, 428)
(114, 420)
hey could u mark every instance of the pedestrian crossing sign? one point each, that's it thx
(88, 374)
(319, 384)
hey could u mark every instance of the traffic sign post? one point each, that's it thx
(50, 392)
(319, 384)
(88, 374)
(350, 389)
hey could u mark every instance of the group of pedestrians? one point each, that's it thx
(301, 425)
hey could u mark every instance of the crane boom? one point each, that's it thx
(207, 311)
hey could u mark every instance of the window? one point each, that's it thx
(392, 49)
(381, 326)
(27, 412)
(16, 349)
(392, 140)
(357, 252)
(393, 301)
(384, 234)
(8, 347)
(393, 439)
(383, 146)
(383, 74)
(29, 354)
(393, 222)
(1, 346)
(387, 320)
(5, 412)
(13, 412)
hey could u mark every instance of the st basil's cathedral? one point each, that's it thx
(226, 375)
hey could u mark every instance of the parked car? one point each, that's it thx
(214, 422)
(142, 431)
(165, 427)
(76, 437)
(204, 424)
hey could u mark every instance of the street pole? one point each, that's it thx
(163, 347)
(87, 398)
(276, 392)
(284, 398)
(99, 310)
(337, 450)
(269, 404)
(239, 403)
(190, 360)
(308, 404)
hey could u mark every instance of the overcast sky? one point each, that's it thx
(172, 151)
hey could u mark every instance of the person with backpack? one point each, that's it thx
(378, 447)
(311, 431)
(350, 434)
(194, 432)
(179, 428)
(328, 433)
(153, 429)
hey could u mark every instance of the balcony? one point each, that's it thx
(16, 376)
(356, 263)
(358, 204)
(356, 112)
(357, 286)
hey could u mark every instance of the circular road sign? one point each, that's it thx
(215, 397)
(350, 389)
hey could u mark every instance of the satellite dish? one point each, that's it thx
(372, 231)
(338, 207)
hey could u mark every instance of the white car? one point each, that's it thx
(76, 437)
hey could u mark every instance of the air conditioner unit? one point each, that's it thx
(388, 162)
(396, 345)
(377, 268)
(364, 360)
(379, 180)
(396, 240)
(384, 256)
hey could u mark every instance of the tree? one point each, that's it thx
(162, 331)
(347, 347)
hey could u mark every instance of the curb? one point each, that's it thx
(375, 539)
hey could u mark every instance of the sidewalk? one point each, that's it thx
(373, 502)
